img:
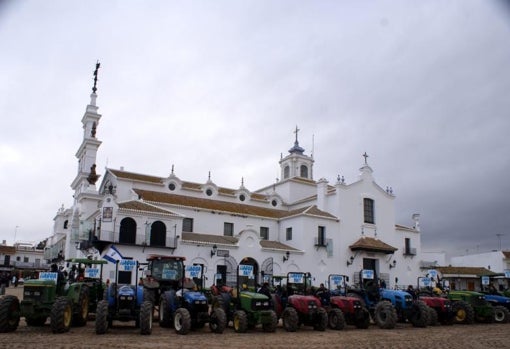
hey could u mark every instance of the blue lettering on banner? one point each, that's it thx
(127, 264)
(193, 271)
(425, 282)
(48, 276)
(169, 274)
(367, 274)
(92, 273)
(245, 270)
(337, 279)
(296, 278)
(432, 273)
(507, 274)
(485, 280)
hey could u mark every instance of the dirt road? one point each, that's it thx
(124, 335)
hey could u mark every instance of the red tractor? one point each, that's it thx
(302, 308)
(440, 308)
(351, 309)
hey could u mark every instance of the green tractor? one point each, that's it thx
(48, 296)
(244, 306)
(469, 306)
(90, 274)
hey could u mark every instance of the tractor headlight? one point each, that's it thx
(258, 304)
(37, 293)
(26, 293)
(266, 304)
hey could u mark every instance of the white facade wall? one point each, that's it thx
(494, 261)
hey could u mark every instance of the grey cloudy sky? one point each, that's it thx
(421, 86)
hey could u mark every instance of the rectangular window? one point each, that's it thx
(25, 259)
(187, 225)
(288, 234)
(368, 207)
(264, 233)
(321, 236)
(228, 229)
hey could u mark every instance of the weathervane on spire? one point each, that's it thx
(365, 156)
(94, 89)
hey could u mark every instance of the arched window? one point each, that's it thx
(158, 234)
(127, 232)
(65, 224)
(286, 172)
(304, 171)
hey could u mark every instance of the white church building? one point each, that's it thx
(296, 224)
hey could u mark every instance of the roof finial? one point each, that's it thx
(172, 168)
(94, 89)
(296, 132)
(365, 156)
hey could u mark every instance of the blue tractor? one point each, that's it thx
(123, 301)
(389, 306)
(500, 303)
(187, 307)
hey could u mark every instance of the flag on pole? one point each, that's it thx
(113, 255)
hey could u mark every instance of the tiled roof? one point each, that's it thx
(231, 207)
(506, 254)
(373, 245)
(7, 250)
(143, 207)
(136, 176)
(209, 239)
(478, 271)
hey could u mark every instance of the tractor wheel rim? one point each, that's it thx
(68, 314)
(461, 315)
(178, 322)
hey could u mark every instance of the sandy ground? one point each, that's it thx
(124, 335)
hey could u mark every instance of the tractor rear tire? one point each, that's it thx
(290, 319)
(240, 321)
(322, 322)
(271, 326)
(81, 309)
(218, 320)
(146, 318)
(102, 317)
(9, 313)
(385, 315)
(61, 315)
(433, 317)
(182, 321)
(420, 314)
(165, 314)
(501, 314)
(464, 313)
(336, 319)
(362, 319)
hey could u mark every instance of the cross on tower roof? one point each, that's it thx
(365, 156)
(296, 132)
(94, 89)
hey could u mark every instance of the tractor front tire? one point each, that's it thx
(81, 309)
(322, 321)
(290, 319)
(385, 315)
(146, 318)
(102, 317)
(464, 313)
(362, 319)
(61, 315)
(336, 319)
(9, 313)
(433, 317)
(218, 320)
(182, 321)
(271, 326)
(420, 314)
(501, 314)
(240, 321)
(165, 315)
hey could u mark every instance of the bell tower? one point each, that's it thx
(296, 164)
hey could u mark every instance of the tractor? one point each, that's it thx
(302, 308)
(500, 303)
(48, 296)
(440, 307)
(469, 306)
(188, 308)
(89, 273)
(243, 305)
(123, 301)
(389, 306)
(354, 312)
